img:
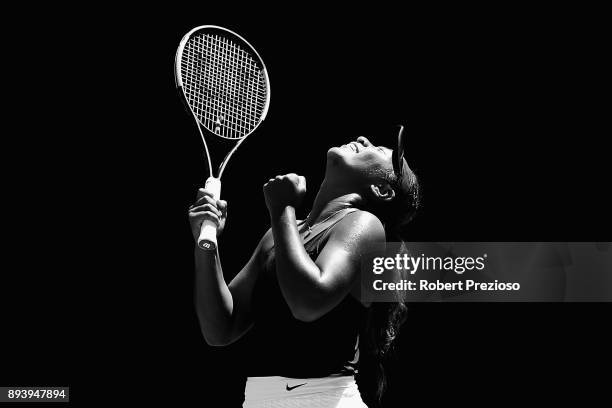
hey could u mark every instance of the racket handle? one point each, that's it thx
(208, 231)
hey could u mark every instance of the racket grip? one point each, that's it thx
(208, 231)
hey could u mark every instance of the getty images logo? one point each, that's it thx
(412, 264)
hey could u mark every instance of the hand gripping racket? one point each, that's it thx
(224, 84)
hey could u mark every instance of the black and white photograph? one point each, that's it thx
(306, 206)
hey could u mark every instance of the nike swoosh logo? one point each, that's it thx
(295, 386)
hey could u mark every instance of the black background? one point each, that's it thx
(501, 108)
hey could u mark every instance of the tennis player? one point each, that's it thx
(298, 295)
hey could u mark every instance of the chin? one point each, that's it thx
(335, 154)
(338, 151)
(337, 160)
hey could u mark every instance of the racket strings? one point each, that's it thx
(223, 84)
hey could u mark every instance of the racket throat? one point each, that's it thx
(227, 157)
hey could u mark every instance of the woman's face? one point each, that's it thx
(358, 162)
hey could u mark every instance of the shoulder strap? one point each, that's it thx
(327, 224)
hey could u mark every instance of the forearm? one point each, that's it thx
(213, 299)
(297, 274)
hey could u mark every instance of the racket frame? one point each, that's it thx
(208, 231)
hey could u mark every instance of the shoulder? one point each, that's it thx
(359, 228)
(362, 221)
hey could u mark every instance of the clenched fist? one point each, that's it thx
(282, 191)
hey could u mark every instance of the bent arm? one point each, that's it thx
(223, 310)
(313, 288)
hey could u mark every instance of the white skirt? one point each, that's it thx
(283, 392)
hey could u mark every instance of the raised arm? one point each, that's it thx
(222, 309)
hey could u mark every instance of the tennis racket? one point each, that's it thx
(224, 84)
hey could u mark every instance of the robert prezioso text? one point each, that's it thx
(437, 285)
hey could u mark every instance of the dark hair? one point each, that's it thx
(401, 210)
(384, 320)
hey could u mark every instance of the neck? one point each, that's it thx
(329, 200)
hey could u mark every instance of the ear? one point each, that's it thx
(382, 192)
